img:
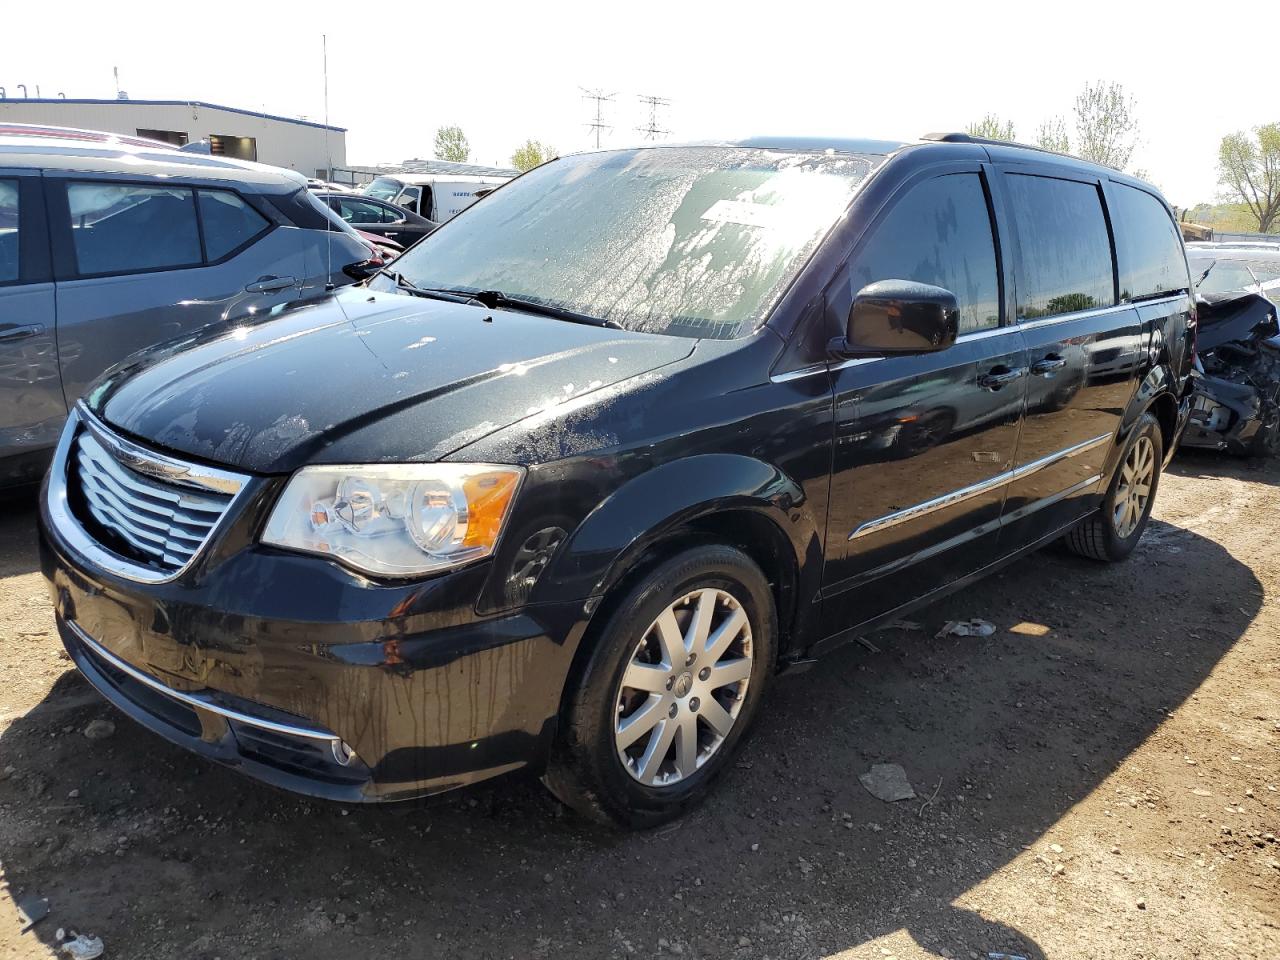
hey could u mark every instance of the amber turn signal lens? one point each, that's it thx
(488, 496)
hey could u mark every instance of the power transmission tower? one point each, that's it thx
(597, 124)
(652, 131)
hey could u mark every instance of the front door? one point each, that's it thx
(1085, 349)
(923, 444)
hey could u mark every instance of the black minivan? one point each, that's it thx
(567, 487)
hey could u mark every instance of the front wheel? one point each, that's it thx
(669, 690)
(1112, 533)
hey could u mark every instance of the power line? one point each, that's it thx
(651, 130)
(597, 124)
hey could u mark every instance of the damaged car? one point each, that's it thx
(1236, 376)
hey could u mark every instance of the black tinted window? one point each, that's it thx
(122, 228)
(1064, 249)
(228, 222)
(939, 233)
(8, 230)
(1153, 261)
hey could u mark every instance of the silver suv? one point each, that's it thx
(112, 244)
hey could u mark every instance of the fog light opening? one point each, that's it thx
(342, 753)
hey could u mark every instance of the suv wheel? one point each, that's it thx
(1113, 532)
(669, 690)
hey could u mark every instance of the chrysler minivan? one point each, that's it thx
(110, 244)
(566, 487)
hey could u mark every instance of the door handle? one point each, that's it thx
(270, 284)
(9, 334)
(1048, 365)
(999, 377)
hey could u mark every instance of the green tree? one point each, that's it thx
(1106, 129)
(992, 128)
(451, 144)
(531, 153)
(1249, 167)
(1052, 135)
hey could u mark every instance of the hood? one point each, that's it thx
(364, 377)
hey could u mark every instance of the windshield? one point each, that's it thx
(384, 188)
(694, 241)
(1223, 276)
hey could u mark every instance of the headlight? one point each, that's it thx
(395, 520)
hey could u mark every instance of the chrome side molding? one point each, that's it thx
(976, 489)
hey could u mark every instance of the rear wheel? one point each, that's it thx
(1112, 533)
(670, 689)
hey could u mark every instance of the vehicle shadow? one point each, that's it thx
(164, 855)
(18, 533)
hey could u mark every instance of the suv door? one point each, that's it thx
(32, 408)
(142, 262)
(923, 444)
(1085, 347)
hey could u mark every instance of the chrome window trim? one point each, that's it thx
(976, 489)
(69, 528)
(193, 700)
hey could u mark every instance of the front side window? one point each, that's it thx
(1154, 264)
(359, 211)
(940, 234)
(1064, 248)
(125, 228)
(9, 225)
(228, 222)
(692, 241)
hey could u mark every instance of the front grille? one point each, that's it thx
(146, 508)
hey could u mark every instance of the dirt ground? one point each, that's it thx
(1107, 789)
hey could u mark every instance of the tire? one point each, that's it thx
(1111, 533)
(593, 767)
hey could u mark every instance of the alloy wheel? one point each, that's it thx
(683, 688)
(1136, 478)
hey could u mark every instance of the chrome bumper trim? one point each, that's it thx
(194, 700)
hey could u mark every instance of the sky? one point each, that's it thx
(507, 72)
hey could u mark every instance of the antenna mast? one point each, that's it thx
(652, 131)
(597, 124)
(328, 161)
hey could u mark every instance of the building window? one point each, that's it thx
(239, 148)
(177, 137)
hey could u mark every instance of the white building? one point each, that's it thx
(302, 145)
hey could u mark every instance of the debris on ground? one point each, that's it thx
(868, 644)
(887, 782)
(966, 628)
(908, 625)
(99, 729)
(1005, 956)
(1028, 629)
(83, 947)
(31, 910)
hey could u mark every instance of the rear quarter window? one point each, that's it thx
(228, 222)
(1152, 262)
(1063, 262)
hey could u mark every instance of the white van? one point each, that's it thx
(435, 196)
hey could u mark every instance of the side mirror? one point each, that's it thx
(900, 316)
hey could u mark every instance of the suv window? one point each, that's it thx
(1154, 262)
(1064, 248)
(124, 228)
(228, 222)
(939, 233)
(8, 230)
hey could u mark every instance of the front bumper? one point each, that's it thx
(304, 675)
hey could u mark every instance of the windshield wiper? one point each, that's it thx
(496, 299)
(408, 287)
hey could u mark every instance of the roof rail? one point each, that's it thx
(955, 137)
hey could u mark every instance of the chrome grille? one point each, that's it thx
(151, 511)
